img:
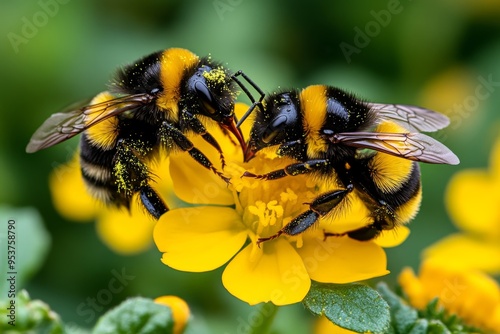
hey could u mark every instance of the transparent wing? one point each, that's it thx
(413, 118)
(411, 146)
(66, 124)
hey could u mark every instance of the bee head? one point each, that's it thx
(212, 95)
(276, 124)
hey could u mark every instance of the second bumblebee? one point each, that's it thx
(370, 150)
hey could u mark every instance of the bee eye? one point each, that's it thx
(274, 128)
(204, 96)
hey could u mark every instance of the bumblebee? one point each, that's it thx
(370, 150)
(153, 103)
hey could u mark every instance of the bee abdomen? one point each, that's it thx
(406, 200)
(97, 172)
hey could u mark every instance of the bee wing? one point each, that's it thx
(413, 118)
(66, 124)
(411, 146)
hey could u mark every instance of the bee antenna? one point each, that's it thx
(249, 111)
(250, 96)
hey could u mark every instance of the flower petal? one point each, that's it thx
(199, 238)
(470, 294)
(273, 273)
(126, 232)
(463, 251)
(473, 202)
(392, 238)
(198, 185)
(180, 311)
(239, 110)
(342, 259)
(69, 195)
(325, 326)
(413, 288)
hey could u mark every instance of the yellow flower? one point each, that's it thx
(473, 201)
(228, 220)
(123, 231)
(180, 311)
(470, 294)
(325, 326)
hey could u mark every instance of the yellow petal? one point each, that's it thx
(473, 202)
(69, 195)
(470, 294)
(274, 273)
(342, 259)
(180, 311)
(413, 288)
(162, 181)
(325, 326)
(198, 185)
(199, 238)
(462, 251)
(392, 238)
(239, 110)
(126, 232)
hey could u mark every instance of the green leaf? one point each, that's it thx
(28, 316)
(403, 315)
(26, 242)
(419, 327)
(355, 307)
(136, 315)
(437, 327)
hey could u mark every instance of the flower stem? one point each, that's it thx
(266, 312)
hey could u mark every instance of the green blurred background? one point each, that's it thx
(429, 52)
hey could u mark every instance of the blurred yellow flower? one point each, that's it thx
(470, 294)
(325, 326)
(473, 201)
(216, 231)
(180, 311)
(123, 231)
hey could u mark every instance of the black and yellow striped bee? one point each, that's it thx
(153, 104)
(370, 150)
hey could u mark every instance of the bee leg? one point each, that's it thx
(169, 133)
(152, 202)
(321, 205)
(291, 170)
(289, 148)
(133, 176)
(365, 233)
(195, 124)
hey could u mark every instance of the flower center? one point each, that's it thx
(268, 205)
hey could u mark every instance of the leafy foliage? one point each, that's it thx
(407, 320)
(355, 307)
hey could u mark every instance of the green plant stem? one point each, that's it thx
(267, 313)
